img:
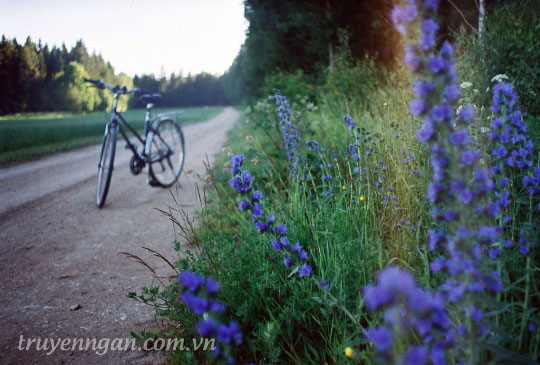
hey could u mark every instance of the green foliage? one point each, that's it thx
(301, 35)
(36, 78)
(350, 235)
(295, 84)
(71, 92)
(352, 82)
(510, 46)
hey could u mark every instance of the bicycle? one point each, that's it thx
(162, 142)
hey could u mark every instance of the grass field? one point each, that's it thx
(27, 136)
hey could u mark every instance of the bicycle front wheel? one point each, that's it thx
(165, 152)
(105, 166)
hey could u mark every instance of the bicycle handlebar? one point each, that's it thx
(116, 90)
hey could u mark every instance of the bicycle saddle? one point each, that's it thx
(150, 98)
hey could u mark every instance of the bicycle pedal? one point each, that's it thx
(154, 183)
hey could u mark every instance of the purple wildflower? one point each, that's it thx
(304, 271)
(381, 338)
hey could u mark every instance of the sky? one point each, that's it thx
(136, 36)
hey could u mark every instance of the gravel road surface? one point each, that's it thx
(58, 250)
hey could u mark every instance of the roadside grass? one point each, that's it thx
(27, 136)
(356, 202)
(349, 234)
(352, 224)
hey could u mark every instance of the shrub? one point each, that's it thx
(295, 84)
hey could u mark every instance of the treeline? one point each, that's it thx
(305, 35)
(180, 91)
(299, 37)
(35, 77)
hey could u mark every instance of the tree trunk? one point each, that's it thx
(330, 46)
(481, 17)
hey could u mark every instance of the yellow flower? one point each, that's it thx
(361, 198)
(344, 187)
(349, 351)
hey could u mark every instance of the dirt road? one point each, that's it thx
(57, 249)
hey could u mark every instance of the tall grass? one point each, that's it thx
(350, 234)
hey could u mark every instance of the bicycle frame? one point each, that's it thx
(154, 147)
(117, 120)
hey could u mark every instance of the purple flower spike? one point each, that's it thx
(206, 328)
(416, 355)
(458, 190)
(304, 271)
(452, 93)
(436, 64)
(423, 89)
(296, 248)
(190, 281)
(212, 286)
(243, 205)
(257, 196)
(417, 107)
(411, 59)
(381, 338)
(426, 133)
(440, 113)
(466, 113)
(287, 261)
(460, 138)
(281, 229)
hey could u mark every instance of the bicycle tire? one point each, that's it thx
(108, 149)
(158, 145)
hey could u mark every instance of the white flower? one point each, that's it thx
(465, 85)
(499, 78)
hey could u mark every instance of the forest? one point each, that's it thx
(306, 36)
(302, 37)
(37, 78)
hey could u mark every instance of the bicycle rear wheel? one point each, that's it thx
(165, 152)
(105, 166)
